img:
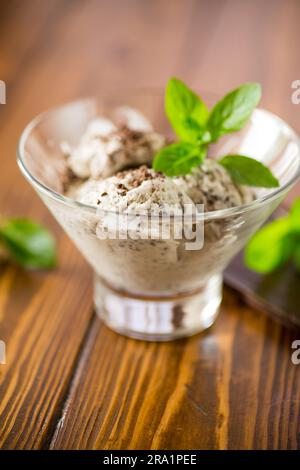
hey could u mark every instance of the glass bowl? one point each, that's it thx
(155, 288)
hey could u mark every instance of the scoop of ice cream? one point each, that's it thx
(132, 118)
(210, 184)
(134, 190)
(105, 148)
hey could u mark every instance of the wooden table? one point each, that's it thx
(69, 382)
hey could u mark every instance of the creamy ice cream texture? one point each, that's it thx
(111, 164)
(131, 190)
(106, 147)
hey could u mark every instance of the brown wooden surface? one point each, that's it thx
(69, 382)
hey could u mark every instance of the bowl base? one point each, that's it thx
(158, 318)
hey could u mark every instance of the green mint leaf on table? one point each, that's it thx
(178, 159)
(276, 243)
(248, 171)
(232, 112)
(28, 243)
(185, 110)
(295, 216)
(270, 247)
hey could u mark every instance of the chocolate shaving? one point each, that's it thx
(138, 176)
(127, 134)
(67, 178)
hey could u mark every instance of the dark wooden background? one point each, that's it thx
(69, 382)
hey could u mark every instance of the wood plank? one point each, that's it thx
(44, 319)
(43, 316)
(228, 388)
(29, 24)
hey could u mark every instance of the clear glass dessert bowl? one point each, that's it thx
(155, 287)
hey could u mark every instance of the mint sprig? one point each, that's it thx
(178, 159)
(247, 171)
(185, 110)
(276, 243)
(232, 112)
(197, 127)
(27, 243)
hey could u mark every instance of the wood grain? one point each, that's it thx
(223, 389)
(69, 382)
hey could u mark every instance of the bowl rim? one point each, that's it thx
(220, 213)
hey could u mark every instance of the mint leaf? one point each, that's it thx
(185, 110)
(178, 159)
(248, 171)
(233, 111)
(270, 247)
(197, 128)
(28, 243)
(295, 216)
(276, 243)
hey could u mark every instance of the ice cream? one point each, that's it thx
(107, 174)
(111, 168)
(133, 190)
(105, 148)
(212, 186)
(143, 188)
